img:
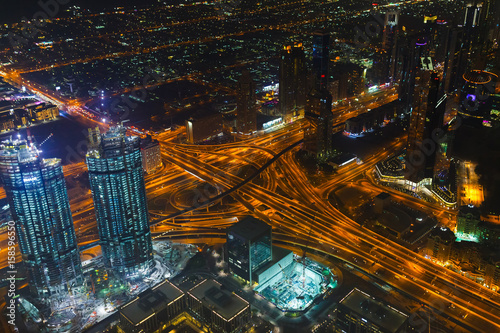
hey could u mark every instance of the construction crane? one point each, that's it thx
(304, 257)
(286, 276)
(51, 135)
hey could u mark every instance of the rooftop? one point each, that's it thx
(213, 295)
(249, 228)
(374, 310)
(150, 301)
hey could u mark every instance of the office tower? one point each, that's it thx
(476, 95)
(361, 312)
(246, 108)
(424, 119)
(292, 89)
(321, 58)
(38, 199)
(318, 135)
(117, 185)
(248, 246)
(413, 48)
(434, 118)
(455, 59)
(389, 45)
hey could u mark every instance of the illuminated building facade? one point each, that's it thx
(246, 121)
(467, 220)
(248, 246)
(321, 58)
(117, 184)
(292, 89)
(151, 155)
(38, 199)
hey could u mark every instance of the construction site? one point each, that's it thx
(297, 285)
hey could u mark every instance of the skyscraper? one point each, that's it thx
(318, 135)
(38, 199)
(249, 246)
(117, 185)
(413, 49)
(425, 118)
(246, 109)
(292, 90)
(455, 58)
(321, 57)
(389, 43)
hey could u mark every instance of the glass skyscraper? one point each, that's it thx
(38, 199)
(117, 183)
(248, 246)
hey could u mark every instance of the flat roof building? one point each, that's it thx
(249, 246)
(152, 310)
(222, 310)
(360, 312)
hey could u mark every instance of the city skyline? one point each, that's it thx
(240, 166)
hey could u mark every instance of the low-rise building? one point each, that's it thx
(222, 310)
(203, 125)
(152, 310)
(361, 312)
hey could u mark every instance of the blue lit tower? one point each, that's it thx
(321, 56)
(117, 186)
(38, 199)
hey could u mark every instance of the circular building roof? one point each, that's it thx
(477, 77)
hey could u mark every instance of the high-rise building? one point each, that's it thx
(455, 59)
(425, 118)
(389, 45)
(413, 49)
(292, 89)
(246, 104)
(248, 246)
(117, 185)
(321, 58)
(38, 199)
(318, 134)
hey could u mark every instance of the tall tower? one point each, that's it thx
(292, 91)
(116, 177)
(318, 135)
(415, 48)
(321, 56)
(38, 199)
(246, 107)
(390, 39)
(425, 118)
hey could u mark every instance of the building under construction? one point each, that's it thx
(292, 284)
